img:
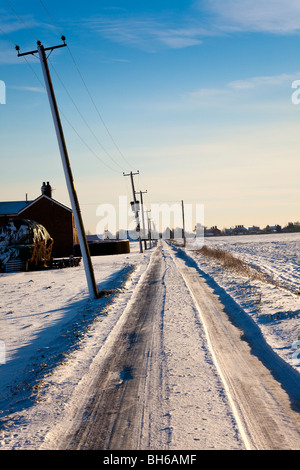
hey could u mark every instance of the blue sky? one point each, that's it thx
(196, 95)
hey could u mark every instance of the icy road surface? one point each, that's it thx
(156, 385)
(171, 361)
(179, 373)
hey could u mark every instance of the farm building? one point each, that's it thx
(57, 219)
(212, 232)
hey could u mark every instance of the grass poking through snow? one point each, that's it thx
(231, 262)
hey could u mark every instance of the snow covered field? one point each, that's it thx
(45, 316)
(274, 305)
(47, 320)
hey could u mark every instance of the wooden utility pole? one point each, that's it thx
(183, 224)
(92, 286)
(135, 208)
(149, 228)
(143, 218)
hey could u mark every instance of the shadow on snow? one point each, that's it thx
(284, 373)
(52, 344)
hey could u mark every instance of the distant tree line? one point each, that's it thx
(292, 227)
(241, 230)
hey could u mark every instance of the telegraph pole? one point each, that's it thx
(183, 224)
(92, 286)
(135, 207)
(149, 227)
(143, 218)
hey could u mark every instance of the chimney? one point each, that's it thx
(46, 189)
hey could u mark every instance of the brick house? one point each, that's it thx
(55, 217)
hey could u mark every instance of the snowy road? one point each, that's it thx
(111, 418)
(212, 392)
(263, 390)
(172, 362)
(150, 393)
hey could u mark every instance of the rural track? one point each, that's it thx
(111, 419)
(127, 390)
(263, 390)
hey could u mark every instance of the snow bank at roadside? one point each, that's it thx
(45, 316)
(275, 307)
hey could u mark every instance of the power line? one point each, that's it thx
(38, 78)
(51, 18)
(6, 35)
(135, 207)
(84, 142)
(59, 30)
(24, 24)
(86, 87)
(97, 110)
(83, 118)
(14, 44)
(93, 289)
(62, 113)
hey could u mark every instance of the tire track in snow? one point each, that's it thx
(112, 419)
(157, 387)
(266, 409)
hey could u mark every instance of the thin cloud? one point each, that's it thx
(254, 82)
(148, 34)
(206, 93)
(201, 19)
(10, 24)
(28, 88)
(270, 16)
(254, 85)
(8, 57)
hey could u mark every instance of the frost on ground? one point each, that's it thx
(52, 332)
(50, 328)
(274, 304)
